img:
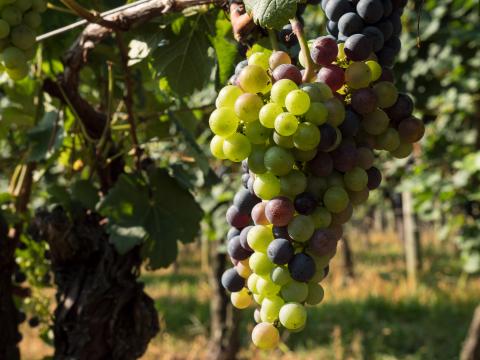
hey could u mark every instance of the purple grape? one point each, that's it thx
(302, 267)
(386, 27)
(243, 238)
(376, 37)
(351, 124)
(245, 201)
(370, 10)
(345, 157)
(364, 101)
(350, 23)
(232, 281)
(280, 211)
(328, 137)
(374, 178)
(281, 232)
(324, 50)
(280, 251)
(321, 165)
(305, 203)
(358, 47)
(287, 71)
(232, 233)
(236, 218)
(236, 251)
(332, 75)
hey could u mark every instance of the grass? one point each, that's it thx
(377, 315)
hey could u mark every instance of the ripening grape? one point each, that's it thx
(293, 183)
(256, 132)
(266, 186)
(335, 199)
(281, 89)
(278, 160)
(232, 281)
(236, 147)
(294, 291)
(387, 94)
(243, 269)
(356, 179)
(358, 47)
(332, 75)
(301, 228)
(247, 107)
(297, 102)
(411, 129)
(343, 216)
(365, 158)
(258, 214)
(286, 124)
(287, 72)
(358, 197)
(324, 50)
(307, 136)
(375, 122)
(241, 299)
(268, 114)
(358, 75)
(315, 294)
(403, 150)
(259, 59)
(279, 211)
(293, 316)
(265, 336)
(304, 155)
(253, 79)
(278, 58)
(321, 217)
(336, 111)
(223, 121)
(388, 140)
(364, 101)
(255, 159)
(227, 96)
(280, 251)
(317, 113)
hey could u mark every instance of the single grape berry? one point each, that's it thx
(232, 281)
(279, 211)
(280, 251)
(305, 203)
(324, 50)
(302, 267)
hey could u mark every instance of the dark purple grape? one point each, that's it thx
(358, 47)
(322, 242)
(332, 28)
(245, 201)
(351, 124)
(364, 101)
(402, 109)
(386, 27)
(232, 281)
(287, 36)
(387, 8)
(280, 251)
(236, 250)
(324, 50)
(334, 9)
(396, 21)
(411, 130)
(236, 218)
(302, 267)
(394, 43)
(370, 11)
(386, 57)
(374, 178)
(328, 137)
(387, 75)
(336, 231)
(287, 71)
(350, 23)
(375, 36)
(243, 238)
(332, 75)
(345, 157)
(321, 165)
(280, 211)
(281, 232)
(305, 203)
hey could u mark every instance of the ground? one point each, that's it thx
(377, 315)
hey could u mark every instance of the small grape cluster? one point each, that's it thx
(18, 21)
(366, 26)
(307, 153)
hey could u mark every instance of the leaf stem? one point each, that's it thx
(297, 29)
(272, 35)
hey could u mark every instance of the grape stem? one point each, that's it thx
(272, 35)
(297, 29)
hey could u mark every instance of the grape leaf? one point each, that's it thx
(126, 238)
(273, 14)
(44, 138)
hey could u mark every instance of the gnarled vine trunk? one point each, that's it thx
(102, 310)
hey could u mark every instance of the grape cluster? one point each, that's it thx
(18, 21)
(366, 26)
(308, 158)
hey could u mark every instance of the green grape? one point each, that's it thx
(223, 121)
(12, 57)
(335, 179)
(297, 102)
(326, 92)
(216, 147)
(335, 199)
(403, 150)
(315, 294)
(227, 96)
(283, 141)
(281, 276)
(293, 316)
(18, 73)
(387, 94)
(358, 197)
(260, 264)
(336, 112)
(281, 89)
(258, 298)
(358, 75)
(388, 140)
(293, 183)
(39, 5)
(278, 160)
(241, 299)
(236, 147)
(321, 218)
(356, 179)
(259, 237)
(30, 53)
(286, 124)
(252, 283)
(266, 186)
(12, 15)
(307, 136)
(260, 59)
(294, 291)
(248, 106)
(24, 5)
(265, 336)
(317, 186)
(271, 308)
(304, 155)
(321, 262)
(376, 122)
(266, 287)
(253, 79)
(256, 132)
(6, 2)
(317, 114)
(4, 29)
(255, 160)
(268, 114)
(32, 19)
(375, 69)
(301, 228)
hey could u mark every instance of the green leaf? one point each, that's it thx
(225, 49)
(126, 238)
(44, 138)
(273, 14)
(85, 193)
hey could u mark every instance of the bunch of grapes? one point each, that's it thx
(18, 21)
(366, 26)
(308, 152)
